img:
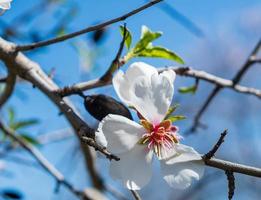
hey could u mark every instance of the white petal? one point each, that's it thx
(181, 153)
(134, 169)
(121, 133)
(170, 74)
(181, 175)
(122, 82)
(5, 4)
(152, 96)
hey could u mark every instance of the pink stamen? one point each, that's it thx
(159, 135)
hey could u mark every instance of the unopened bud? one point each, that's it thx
(99, 106)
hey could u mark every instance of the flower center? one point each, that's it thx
(159, 136)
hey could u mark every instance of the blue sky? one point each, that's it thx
(231, 29)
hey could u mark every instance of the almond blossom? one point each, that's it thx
(150, 93)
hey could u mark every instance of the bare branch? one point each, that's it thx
(231, 184)
(9, 87)
(49, 168)
(182, 71)
(249, 62)
(212, 152)
(234, 167)
(86, 30)
(103, 150)
(105, 79)
(135, 195)
(116, 61)
(32, 72)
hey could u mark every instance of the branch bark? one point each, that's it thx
(86, 30)
(182, 71)
(9, 87)
(234, 167)
(47, 166)
(19, 64)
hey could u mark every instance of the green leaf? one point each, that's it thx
(23, 124)
(29, 139)
(186, 90)
(11, 115)
(61, 32)
(171, 110)
(176, 118)
(160, 52)
(147, 36)
(128, 37)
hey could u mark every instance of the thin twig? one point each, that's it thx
(251, 59)
(40, 159)
(9, 87)
(115, 64)
(231, 184)
(135, 194)
(101, 149)
(105, 78)
(212, 152)
(86, 30)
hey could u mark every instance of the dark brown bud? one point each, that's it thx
(99, 106)
(11, 194)
(99, 35)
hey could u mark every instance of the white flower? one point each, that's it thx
(136, 144)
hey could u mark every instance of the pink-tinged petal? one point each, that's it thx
(152, 96)
(122, 82)
(181, 175)
(120, 133)
(134, 169)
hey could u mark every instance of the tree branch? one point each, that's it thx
(135, 194)
(231, 184)
(182, 71)
(9, 87)
(249, 62)
(212, 152)
(115, 64)
(234, 167)
(47, 166)
(105, 79)
(32, 72)
(86, 30)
